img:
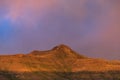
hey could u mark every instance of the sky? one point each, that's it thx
(90, 27)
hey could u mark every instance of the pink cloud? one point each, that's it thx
(19, 9)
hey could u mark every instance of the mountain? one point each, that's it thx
(59, 63)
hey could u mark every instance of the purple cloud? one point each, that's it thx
(90, 27)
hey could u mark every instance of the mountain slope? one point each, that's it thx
(59, 63)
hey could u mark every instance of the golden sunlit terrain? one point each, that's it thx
(59, 63)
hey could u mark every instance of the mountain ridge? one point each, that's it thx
(60, 60)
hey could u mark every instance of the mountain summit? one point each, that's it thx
(62, 47)
(60, 50)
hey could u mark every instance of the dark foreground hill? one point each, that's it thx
(59, 63)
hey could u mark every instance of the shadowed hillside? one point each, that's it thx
(59, 63)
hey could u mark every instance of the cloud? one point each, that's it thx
(89, 26)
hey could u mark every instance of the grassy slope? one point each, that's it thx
(60, 63)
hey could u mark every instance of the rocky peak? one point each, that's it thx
(65, 50)
(62, 47)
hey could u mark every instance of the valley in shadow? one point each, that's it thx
(42, 75)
